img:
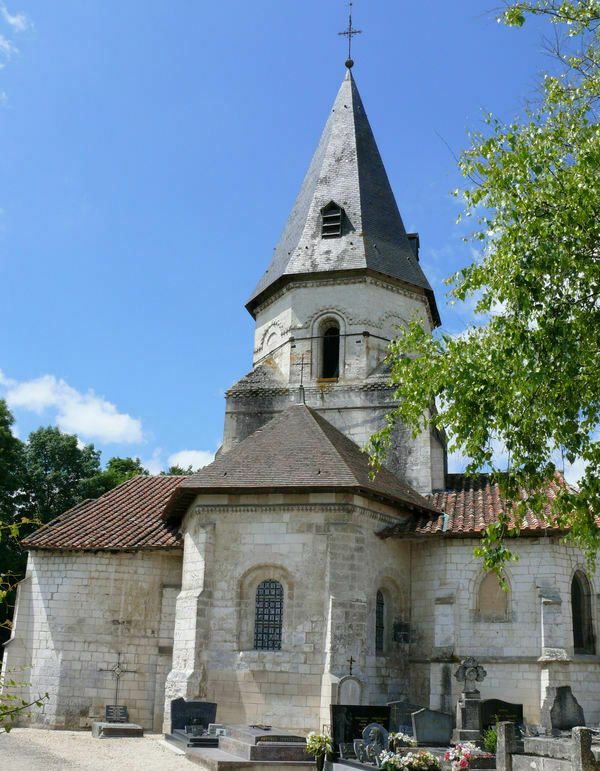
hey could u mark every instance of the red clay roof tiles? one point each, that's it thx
(471, 504)
(125, 518)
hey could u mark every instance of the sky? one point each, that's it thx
(150, 153)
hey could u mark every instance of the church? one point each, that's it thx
(282, 578)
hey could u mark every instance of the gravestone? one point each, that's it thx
(192, 713)
(400, 715)
(497, 711)
(432, 728)
(566, 711)
(348, 721)
(349, 690)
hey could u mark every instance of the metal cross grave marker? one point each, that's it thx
(117, 671)
(351, 661)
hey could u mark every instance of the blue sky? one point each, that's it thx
(150, 153)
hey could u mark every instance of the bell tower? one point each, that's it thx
(344, 275)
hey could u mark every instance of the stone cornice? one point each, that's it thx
(283, 508)
(310, 284)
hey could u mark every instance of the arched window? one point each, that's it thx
(492, 600)
(379, 622)
(581, 609)
(331, 352)
(268, 616)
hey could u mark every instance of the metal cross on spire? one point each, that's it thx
(349, 33)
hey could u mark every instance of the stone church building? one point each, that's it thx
(263, 580)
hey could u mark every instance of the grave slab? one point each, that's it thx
(102, 730)
(431, 727)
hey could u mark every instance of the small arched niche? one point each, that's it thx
(492, 600)
(581, 610)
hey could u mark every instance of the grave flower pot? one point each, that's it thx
(320, 762)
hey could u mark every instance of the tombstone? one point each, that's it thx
(566, 711)
(468, 707)
(497, 711)
(348, 721)
(400, 716)
(432, 728)
(116, 713)
(198, 713)
(349, 690)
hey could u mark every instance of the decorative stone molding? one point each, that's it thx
(404, 291)
(315, 508)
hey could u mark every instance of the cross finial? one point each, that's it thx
(351, 660)
(349, 33)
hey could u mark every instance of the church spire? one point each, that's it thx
(345, 217)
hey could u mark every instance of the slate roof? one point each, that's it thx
(297, 450)
(126, 518)
(347, 169)
(471, 504)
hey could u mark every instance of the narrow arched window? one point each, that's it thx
(581, 609)
(268, 616)
(331, 353)
(379, 623)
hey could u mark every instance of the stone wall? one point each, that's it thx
(527, 652)
(75, 613)
(324, 551)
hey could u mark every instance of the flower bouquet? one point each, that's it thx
(318, 745)
(412, 761)
(460, 755)
(398, 739)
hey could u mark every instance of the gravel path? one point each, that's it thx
(34, 749)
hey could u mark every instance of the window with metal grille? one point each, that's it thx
(268, 617)
(379, 622)
(331, 226)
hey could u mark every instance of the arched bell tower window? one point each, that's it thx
(331, 221)
(581, 609)
(331, 352)
(379, 622)
(268, 616)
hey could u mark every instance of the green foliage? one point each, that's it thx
(177, 471)
(524, 378)
(490, 739)
(12, 705)
(117, 471)
(57, 471)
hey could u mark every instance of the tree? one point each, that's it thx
(117, 471)
(525, 376)
(177, 471)
(56, 472)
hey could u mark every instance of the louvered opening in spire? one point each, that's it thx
(331, 221)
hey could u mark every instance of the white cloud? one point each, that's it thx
(18, 21)
(195, 458)
(154, 464)
(7, 49)
(85, 414)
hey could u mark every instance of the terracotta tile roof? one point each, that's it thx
(471, 504)
(300, 451)
(129, 517)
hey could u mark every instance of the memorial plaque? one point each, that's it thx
(400, 716)
(496, 711)
(281, 738)
(348, 721)
(116, 713)
(347, 751)
(192, 713)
